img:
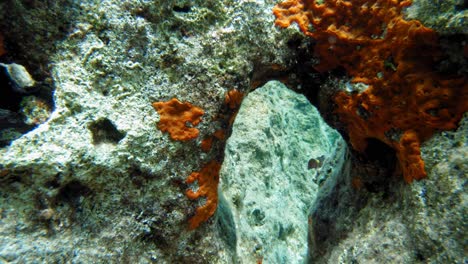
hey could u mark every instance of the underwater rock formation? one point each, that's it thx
(265, 177)
(98, 178)
(447, 17)
(407, 99)
(389, 221)
(93, 180)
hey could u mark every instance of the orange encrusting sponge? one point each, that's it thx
(407, 99)
(174, 116)
(208, 179)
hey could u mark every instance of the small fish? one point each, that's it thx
(315, 162)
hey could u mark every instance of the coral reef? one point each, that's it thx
(98, 178)
(207, 179)
(407, 99)
(174, 117)
(423, 222)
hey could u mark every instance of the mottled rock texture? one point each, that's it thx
(387, 221)
(446, 17)
(267, 176)
(98, 182)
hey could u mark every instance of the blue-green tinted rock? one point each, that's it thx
(268, 178)
(444, 16)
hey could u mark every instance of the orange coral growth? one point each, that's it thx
(175, 115)
(233, 98)
(347, 33)
(208, 179)
(206, 144)
(357, 183)
(220, 134)
(407, 99)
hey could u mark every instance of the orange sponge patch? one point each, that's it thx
(407, 99)
(174, 117)
(233, 98)
(208, 179)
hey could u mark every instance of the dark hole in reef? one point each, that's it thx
(139, 176)
(105, 92)
(420, 256)
(182, 9)
(380, 152)
(20, 110)
(294, 43)
(53, 183)
(258, 217)
(383, 158)
(306, 77)
(72, 191)
(104, 131)
(454, 49)
(9, 99)
(462, 6)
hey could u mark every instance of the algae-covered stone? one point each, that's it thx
(424, 222)
(435, 209)
(279, 150)
(97, 182)
(446, 17)
(98, 178)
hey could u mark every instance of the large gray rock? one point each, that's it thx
(266, 178)
(98, 182)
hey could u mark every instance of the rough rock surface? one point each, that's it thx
(446, 17)
(393, 222)
(436, 210)
(98, 182)
(266, 178)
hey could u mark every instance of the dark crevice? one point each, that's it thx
(12, 121)
(104, 131)
(71, 192)
(23, 110)
(455, 59)
(462, 6)
(182, 9)
(381, 153)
